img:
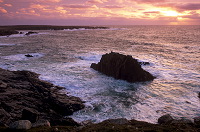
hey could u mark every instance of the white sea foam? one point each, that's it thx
(23, 34)
(2, 44)
(82, 29)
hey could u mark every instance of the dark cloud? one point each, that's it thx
(188, 7)
(113, 7)
(192, 15)
(181, 7)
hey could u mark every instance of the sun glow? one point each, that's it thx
(170, 13)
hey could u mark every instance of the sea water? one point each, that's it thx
(64, 58)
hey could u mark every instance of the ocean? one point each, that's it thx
(63, 57)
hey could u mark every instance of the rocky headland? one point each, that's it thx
(9, 30)
(122, 67)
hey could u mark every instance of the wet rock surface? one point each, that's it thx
(122, 67)
(24, 96)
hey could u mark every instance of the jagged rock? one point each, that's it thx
(197, 121)
(4, 117)
(64, 122)
(182, 121)
(25, 91)
(30, 32)
(40, 123)
(120, 121)
(86, 123)
(28, 55)
(21, 124)
(122, 67)
(144, 63)
(3, 86)
(29, 115)
(165, 119)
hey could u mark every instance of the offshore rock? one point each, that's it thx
(165, 119)
(30, 32)
(122, 67)
(28, 55)
(26, 97)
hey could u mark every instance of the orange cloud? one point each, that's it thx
(80, 6)
(149, 1)
(8, 5)
(1, 1)
(113, 7)
(47, 1)
(61, 10)
(2, 10)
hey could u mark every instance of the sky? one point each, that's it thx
(99, 12)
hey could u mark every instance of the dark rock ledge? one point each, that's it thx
(24, 97)
(122, 67)
(7, 32)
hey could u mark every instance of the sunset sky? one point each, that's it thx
(100, 12)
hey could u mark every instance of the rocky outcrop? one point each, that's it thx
(24, 97)
(28, 55)
(197, 121)
(31, 32)
(122, 67)
(165, 119)
(6, 32)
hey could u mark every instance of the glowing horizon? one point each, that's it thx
(100, 12)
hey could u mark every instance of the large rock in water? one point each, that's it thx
(122, 67)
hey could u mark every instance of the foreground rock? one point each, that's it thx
(122, 67)
(123, 125)
(24, 96)
(115, 125)
(21, 124)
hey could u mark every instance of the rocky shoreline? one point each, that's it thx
(27, 102)
(24, 97)
(9, 30)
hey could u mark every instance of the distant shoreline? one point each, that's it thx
(47, 27)
(9, 30)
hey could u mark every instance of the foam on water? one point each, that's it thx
(83, 29)
(23, 34)
(2, 45)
